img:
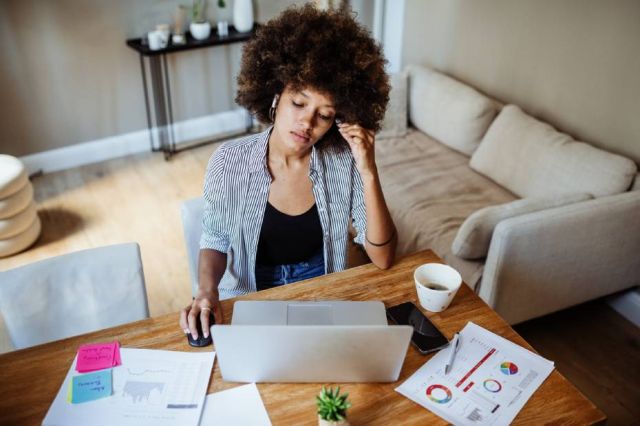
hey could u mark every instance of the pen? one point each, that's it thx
(455, 345)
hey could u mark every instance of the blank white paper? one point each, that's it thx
(241, 405)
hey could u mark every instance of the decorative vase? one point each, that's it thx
(243, 15)
(200, 30)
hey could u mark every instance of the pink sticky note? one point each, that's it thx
(116, 354)
(96, 356)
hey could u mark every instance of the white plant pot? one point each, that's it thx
(322, 422)
(243, 15)
(200, 30)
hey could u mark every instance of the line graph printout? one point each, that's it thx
(491, 380)
(151, 387)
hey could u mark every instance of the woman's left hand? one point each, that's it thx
(361, 141)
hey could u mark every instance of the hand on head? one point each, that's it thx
(361, 141)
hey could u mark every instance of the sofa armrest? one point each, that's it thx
(549, 260)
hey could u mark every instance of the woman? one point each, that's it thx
(278, 204)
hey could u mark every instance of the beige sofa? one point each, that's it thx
(534, 221)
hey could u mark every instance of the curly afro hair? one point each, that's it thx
(325, 50)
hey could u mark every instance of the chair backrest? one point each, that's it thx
(192, 211)
(73, 294)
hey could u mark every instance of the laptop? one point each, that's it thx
(310, 342)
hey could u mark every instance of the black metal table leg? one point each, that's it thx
(169, 104)
(146, 102)
(159, 100)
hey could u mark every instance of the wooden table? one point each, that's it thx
(30, 378)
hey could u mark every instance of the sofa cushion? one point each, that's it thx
(448, 110)
(395, 120)
(430, 191)
(474, 236)
(531, 159)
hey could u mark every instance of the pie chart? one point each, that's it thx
(439, 394)
(509, 368)
(492, 385)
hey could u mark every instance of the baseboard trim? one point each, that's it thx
(627, 304)
(210, 126)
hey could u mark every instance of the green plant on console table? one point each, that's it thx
(332, 407)
(198, 11)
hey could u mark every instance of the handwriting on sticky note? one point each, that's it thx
(97, 356)
(92, 386)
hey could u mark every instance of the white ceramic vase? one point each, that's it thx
(243, 15)
(200, 30)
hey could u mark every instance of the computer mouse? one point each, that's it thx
(201, 340)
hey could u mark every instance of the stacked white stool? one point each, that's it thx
(19, 221)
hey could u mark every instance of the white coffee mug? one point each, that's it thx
(157, 40)
(436, 285)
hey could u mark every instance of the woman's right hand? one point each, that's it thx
(202, 305)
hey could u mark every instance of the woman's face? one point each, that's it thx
(303, 117)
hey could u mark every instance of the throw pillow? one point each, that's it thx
(474, 236)
(530, 158)
(447, 110)
(394, 124)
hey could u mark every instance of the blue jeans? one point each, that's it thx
(269, 276)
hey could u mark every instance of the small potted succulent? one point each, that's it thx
(332, 407)
(200, 28)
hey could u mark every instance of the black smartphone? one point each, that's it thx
(426, 336)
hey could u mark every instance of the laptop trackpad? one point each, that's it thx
(309, 314)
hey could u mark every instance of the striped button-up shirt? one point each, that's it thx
(236, 189)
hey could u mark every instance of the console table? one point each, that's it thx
(161, 88)
(30, 378)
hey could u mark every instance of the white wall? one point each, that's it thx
(69, 83)
(67, 77)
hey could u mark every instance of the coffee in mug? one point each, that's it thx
(436, 285)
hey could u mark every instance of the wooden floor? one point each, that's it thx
(598, 351)
(135, 198)
(138, 198)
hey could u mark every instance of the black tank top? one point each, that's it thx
(288, 239)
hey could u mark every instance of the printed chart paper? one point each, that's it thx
(491, 380)
(151, 387)
(241, 405)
